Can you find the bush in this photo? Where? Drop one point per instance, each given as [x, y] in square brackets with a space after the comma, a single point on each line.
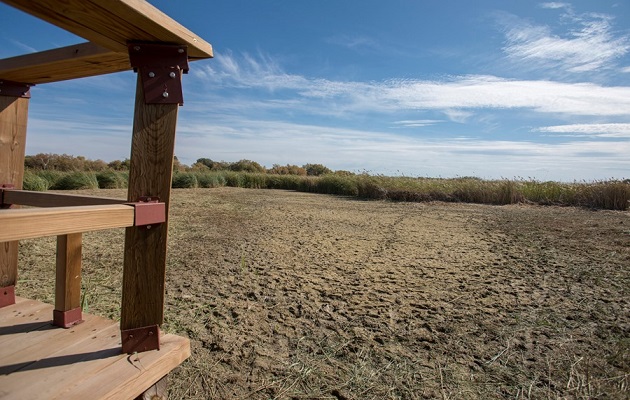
[76, 181]
[34, 182]
[184, 180]
[335, 184]
[209, 179]
[111, 180]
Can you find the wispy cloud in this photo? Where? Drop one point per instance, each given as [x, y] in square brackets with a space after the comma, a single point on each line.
[555, 5]
[618, 130]
[418, 123]
[456, 97]
[589, 44]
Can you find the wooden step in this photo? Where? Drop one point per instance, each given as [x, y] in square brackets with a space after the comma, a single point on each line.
[40, 361]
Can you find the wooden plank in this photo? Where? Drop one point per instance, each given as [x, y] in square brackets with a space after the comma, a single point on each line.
[70, 62]
[22, 312]
[54, 221]
[83, 362]
[47, 199]
[112, 23]
[41, 342]
[134, 373]
[152, 151]
[68, 276]
[13, 119]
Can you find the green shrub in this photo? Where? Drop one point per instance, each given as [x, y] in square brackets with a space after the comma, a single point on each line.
[184, 180]
[209, 179]
[34, 182]
[335, 184]
[76, 180]
[51, 177]
[111, 180]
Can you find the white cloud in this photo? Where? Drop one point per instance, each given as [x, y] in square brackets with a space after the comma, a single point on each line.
[456, 97]
[590, 46]
[418, 122]
[613, 130]
[555, 5]
[270, 142]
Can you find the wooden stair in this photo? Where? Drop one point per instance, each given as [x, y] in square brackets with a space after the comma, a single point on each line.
[39, 360]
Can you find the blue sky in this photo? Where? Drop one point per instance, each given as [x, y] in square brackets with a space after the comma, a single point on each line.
[422, 88]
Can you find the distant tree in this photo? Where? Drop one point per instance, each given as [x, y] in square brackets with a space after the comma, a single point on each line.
[342, 172]
[178, 166]
[118, 165]
[286, 170]
[316, 169]
[205, 161]
[247, 166]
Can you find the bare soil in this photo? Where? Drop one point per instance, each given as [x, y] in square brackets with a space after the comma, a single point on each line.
[291, 295]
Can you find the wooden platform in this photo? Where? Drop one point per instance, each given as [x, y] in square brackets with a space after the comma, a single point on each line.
[41, 361]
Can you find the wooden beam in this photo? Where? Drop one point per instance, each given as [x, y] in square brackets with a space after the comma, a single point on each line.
[39, 222]
[151, 168]
[68, 281]
[71, 62]
[46, 199]
[13, 118]
[112, 23]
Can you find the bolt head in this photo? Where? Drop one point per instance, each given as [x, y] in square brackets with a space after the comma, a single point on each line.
[165, 94]
[180, 51]
[136, 48]
[151, 74]
[172, 75]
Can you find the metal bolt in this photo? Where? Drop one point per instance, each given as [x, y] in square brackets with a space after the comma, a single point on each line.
[180, 51]
[151, 74]
[165, 94]
[148, 226]
[150, 333]
[172, 75]
[136, 48]
[130, 336]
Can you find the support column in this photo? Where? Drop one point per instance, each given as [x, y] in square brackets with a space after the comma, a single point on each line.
[150, 174]
[13, 118]
[68, 281]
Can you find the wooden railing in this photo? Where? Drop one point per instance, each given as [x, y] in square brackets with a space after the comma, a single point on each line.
[67, 217]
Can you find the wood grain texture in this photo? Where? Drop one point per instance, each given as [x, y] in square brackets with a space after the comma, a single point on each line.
[84, 362]
[33, 222]
[112, 23]
[68, 275]
[70, 62]
[13, 119]
[47, 199]
[150, 174]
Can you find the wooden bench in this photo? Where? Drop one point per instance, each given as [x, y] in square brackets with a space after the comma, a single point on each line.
[57, 351]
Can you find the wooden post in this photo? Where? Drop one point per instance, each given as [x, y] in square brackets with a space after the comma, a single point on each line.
[68, 284]
[13, 118]
[150, 174]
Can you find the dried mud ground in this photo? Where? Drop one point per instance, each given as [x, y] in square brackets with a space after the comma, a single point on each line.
[289, 295]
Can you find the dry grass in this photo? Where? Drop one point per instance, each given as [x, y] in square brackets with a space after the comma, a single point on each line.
[292, 295]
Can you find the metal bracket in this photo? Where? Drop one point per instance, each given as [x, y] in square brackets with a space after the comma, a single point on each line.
[160, 67]
[142, 339]
[7, 296]
[4, 186]
[148, 211]
[15, 89]
[67, 319]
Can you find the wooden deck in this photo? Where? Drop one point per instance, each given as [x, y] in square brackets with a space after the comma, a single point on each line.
[41, 361]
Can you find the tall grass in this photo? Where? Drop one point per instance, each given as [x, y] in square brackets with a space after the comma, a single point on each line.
[610, 195]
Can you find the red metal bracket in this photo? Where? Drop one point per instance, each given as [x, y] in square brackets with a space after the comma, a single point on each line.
[15, 89]
[140, 339]
[2, 187]
[148, 211]
[160, 67]
[7, 296]
[67, 319]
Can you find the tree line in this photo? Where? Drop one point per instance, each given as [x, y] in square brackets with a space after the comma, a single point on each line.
[69, 163]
